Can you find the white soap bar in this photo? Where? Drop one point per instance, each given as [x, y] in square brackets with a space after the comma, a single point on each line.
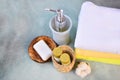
[43, 50]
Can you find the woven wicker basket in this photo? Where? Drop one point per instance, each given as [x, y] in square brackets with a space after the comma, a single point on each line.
[33, 54]
[65, 68]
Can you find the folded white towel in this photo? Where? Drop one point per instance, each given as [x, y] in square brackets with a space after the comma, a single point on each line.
[98, 28]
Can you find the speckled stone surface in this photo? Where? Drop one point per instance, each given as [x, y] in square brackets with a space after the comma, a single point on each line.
[23, 20]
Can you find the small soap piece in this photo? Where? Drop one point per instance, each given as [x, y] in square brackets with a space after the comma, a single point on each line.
[43, 50]
[57, 52]
[65, 59]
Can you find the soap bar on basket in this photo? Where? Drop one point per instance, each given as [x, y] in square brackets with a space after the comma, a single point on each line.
[43, 50]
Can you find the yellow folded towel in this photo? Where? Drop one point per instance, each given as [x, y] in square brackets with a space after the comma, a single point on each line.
[97, 56]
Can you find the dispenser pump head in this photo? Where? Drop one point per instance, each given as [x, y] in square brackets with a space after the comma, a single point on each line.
[60, 16]
[60, 20]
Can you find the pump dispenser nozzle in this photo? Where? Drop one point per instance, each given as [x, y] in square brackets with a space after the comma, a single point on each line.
[60, 20]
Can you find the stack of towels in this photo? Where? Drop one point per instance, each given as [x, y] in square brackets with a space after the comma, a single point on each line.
[98, 34]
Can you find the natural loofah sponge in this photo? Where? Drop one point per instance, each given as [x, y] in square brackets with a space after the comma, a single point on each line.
[83, 69]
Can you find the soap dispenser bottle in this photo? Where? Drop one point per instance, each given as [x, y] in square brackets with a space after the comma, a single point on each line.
[60, 21]
[60, 25]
